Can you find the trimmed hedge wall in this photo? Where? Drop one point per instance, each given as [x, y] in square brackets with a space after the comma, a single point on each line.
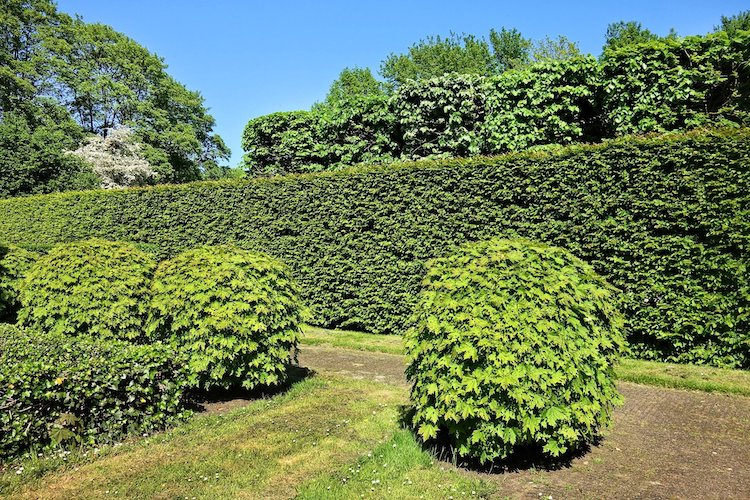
[666, 219]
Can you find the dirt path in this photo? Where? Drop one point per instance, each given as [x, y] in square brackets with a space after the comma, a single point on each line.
[664, 443]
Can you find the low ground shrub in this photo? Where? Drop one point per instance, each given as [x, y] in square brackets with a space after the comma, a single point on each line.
[95, 287]
[235, 314]
[513, 344]
[60, 390]
[15, 262]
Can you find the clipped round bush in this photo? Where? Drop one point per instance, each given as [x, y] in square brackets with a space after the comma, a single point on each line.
[235, 314]
[15, 262]
[93, 287]
[512, 344]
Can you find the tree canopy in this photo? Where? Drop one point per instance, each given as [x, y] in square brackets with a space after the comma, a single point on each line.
[62, 78]
[737, 22]
[471, 55]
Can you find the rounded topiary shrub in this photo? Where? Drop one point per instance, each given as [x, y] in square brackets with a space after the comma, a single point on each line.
[512, 344]
[15, 262]
[235, 314]
[93, 287]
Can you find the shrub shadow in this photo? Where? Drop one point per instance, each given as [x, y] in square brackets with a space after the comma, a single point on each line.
[221, 400]
[523, 458]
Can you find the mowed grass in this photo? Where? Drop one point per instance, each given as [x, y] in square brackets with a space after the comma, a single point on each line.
[692, 377]
[303, 441]
[391, 344]
[399, 468]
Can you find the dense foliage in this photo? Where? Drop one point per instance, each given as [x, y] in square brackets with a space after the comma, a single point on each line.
[666, 219]
[547, 103]
[57, 390]
[354, 124]
[464, 54]
[235, 314]
[513, 344]
[282, 143]
[441, 116]
[676, 83]
[15, 262]
[94, 287]
[33, 155]
[62, 78]
[660, 84]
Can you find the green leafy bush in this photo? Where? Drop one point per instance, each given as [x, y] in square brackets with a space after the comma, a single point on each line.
[655, 86]
[513, 343]
[15, 262]
[55, 389]
[94, 287]
[282, 143]
[666, 219]
[356, 129]
[674, 83]
[554, 102]
[236, 314]
[441, 116]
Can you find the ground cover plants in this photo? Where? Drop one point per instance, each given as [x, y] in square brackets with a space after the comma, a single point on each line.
[56, 390]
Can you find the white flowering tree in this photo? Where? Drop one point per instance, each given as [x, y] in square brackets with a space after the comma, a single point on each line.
[117, 159]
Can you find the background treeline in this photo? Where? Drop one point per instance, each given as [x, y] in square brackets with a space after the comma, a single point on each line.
[665, 218]
[64, 82]
[509, 94]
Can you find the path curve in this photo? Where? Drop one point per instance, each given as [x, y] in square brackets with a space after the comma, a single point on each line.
[664, 443]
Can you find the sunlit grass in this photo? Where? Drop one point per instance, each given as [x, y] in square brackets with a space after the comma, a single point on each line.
[264, 450]
[301, 440]
[399, 468]
[693, 377]
[391, 344]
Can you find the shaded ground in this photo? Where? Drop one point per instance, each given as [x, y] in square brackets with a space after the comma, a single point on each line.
[664, 443]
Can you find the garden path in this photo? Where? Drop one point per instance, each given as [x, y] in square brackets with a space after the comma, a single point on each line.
[664, 443]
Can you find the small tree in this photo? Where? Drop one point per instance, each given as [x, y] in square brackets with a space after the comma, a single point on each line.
[117, 159]
[627, 33]
[510, 49]
[554, 49]
[737, 22]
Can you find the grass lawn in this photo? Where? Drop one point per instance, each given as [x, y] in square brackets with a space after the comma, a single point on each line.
[330, 437]
[693, 377]
[325, 438]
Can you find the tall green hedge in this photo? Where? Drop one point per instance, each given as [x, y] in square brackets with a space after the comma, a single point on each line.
[666, 219]
[281, 143]
[654, 86]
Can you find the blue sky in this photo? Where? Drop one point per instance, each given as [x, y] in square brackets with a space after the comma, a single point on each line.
[250, 58]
